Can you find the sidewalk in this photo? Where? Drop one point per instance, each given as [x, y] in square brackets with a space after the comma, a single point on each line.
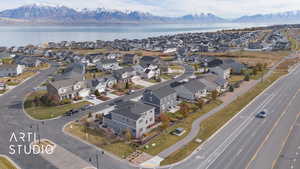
[227, 99]
[64, 159]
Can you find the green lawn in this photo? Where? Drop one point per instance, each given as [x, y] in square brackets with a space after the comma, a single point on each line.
[98, 138]
[49, 112]
[6, 164]
[165, 140]
[216, 121]
[2, 91]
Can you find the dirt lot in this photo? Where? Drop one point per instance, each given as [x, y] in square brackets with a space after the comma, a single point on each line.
[252, 58]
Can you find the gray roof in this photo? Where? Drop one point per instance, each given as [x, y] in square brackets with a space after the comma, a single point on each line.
[214, 78]
[163, 91]
[74, 71]
[118, 73]
[107, 61]
[64, 83]
[132, 110]
[8, 66]
[210, 86]
[193, 86]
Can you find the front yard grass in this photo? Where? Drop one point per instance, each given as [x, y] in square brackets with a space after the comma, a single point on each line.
[236, 78]
[176, 67]
[13, 81]
[48, 112]
[98, 138]
[165, 140]
[216, 121]
[92, 75]
[6, 164]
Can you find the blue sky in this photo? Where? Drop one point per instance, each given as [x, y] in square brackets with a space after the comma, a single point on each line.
[223, 8]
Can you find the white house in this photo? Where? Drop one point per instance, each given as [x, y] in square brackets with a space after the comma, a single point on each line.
[9, 70]
[222, 71]
[147, 72]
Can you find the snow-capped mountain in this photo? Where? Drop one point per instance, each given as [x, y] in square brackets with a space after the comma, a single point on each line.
[283, 17]
[203, 17]
[61, 14]
[38, 11]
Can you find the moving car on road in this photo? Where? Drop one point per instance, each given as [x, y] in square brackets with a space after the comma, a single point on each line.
[261, 114]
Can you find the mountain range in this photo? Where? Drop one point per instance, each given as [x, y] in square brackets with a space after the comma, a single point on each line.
[44, 14]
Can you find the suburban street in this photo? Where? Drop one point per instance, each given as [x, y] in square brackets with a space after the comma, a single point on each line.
[244, 142]
[248, 142]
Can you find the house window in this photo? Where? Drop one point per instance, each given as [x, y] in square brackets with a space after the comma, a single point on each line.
[141, 121]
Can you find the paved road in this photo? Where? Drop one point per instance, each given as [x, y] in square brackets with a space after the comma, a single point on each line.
[14, 120]
[237, 143]
[290, 156]
[232, 147]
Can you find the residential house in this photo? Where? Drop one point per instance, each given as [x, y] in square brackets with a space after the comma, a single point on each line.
[148, 72]
[210, 61]
[136, 117]
[10, 70]
[130, 59]
[221, 70]
[107, 65]
[210, 85]
[124, 75]
[67, 89]
[27, 61]
[191, 90]
[69, 84]
[101, 84]
[162, 99]
[219, 81]
[146, 61]
[236, 67]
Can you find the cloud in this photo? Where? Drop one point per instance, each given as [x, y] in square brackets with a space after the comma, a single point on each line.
[224, 8]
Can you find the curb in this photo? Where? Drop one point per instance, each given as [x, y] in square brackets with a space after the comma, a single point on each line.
[11, 161]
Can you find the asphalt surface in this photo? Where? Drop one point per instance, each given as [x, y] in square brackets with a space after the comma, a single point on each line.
[244, 142]
[249, 142]
[290, 155]
[14, 120]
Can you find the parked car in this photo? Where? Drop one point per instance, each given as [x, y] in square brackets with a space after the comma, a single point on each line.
[178, 132]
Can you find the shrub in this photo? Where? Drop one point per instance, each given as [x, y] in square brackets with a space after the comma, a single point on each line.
[66, 101]
[97, 93]
[231, 88]
[247, 77]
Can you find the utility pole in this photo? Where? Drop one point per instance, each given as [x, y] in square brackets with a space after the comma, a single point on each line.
[97, 160]
[38, 132]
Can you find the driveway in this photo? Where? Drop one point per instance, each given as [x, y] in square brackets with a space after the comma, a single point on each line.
[138, 81]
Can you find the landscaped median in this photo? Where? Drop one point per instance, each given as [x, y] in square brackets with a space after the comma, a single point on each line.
[210, 125]
[5, 163]
[37, 110]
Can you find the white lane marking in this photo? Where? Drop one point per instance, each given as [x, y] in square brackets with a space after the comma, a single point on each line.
[221, 148]
[213, 156]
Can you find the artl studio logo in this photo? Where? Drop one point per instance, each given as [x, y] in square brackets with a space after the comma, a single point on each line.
[27, 143]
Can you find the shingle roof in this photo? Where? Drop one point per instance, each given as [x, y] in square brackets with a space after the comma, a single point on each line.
[194, 86]
[132, 110]
[210, 86]
[163, 92]
[8, 66]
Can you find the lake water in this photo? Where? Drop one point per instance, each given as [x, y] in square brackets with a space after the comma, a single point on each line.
[24, 35]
